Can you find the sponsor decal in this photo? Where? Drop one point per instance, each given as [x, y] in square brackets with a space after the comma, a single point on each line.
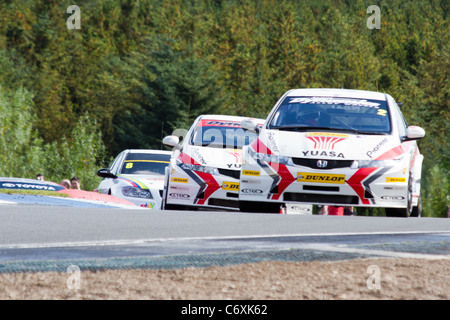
[179, 180]
[233, 186]
[219, 123]
[316, 153]
[251, 173]
[395, 179]
[392, 154]
[251, 181]
[294, 208]
[325, 140]
[179, 195]
[272, 143]
[183, 188]
[251, 191]
[376, 148]
[150, 205]
[237, 155]
[29, 186]
[327, 134]
[320, 178]
[198, 156]
[344, 101]
[234, 165]
[393, 198]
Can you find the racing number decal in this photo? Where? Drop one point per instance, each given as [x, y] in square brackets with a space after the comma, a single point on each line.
[129, 165]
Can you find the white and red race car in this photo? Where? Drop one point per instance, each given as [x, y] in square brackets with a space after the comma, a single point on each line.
[205, 166]
[136, 175]
[333, 147]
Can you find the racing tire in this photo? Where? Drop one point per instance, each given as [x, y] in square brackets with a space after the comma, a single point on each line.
[417, 210]
[264, 207]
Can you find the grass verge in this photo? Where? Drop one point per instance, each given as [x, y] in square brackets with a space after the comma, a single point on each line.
[34, 192]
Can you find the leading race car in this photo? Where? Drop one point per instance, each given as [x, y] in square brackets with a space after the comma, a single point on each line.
[136, 175]
[205, 167]
[333, 147]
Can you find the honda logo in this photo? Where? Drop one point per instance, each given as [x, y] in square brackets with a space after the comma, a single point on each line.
[322, 163]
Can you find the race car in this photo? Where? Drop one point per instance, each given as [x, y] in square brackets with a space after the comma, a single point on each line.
[333, 147]
[29, 184]
[205, 166]
[136, 175]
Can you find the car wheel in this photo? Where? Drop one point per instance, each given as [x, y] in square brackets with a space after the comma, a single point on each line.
[417, 210]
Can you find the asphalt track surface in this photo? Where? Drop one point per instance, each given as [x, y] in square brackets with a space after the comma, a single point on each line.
[52, 237]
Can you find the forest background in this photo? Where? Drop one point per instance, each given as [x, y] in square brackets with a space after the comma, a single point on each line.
[71, 99]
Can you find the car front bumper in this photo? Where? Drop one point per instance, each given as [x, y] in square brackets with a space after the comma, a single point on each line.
[364, 187]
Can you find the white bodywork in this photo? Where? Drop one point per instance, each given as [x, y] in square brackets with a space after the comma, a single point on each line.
[205, 167]
[345, 162]
[143, 187]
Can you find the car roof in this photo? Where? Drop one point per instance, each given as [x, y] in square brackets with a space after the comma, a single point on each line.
[226, 117]
[343, 93]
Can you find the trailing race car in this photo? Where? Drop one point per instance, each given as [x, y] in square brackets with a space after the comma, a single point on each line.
[29, 184]
[136, 175]
[205, 167]
[333, 147]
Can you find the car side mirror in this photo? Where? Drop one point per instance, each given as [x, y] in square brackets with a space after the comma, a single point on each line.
[250, 125]
[106, 173]
[414, 133]
[170, 141]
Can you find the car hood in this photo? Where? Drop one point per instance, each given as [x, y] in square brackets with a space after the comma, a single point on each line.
[143, 181]
[216, 157]
[327, 145]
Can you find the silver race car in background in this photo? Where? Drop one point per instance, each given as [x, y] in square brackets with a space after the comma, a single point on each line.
[136, 175]
[333, 147]
[205, 167]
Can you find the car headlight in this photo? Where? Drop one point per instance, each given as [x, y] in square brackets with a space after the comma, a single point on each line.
[136, 192]
[272, 158]
[198, 168]
[357, 164]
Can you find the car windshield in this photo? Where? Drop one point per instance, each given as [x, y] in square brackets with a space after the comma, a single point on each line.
[332, 113]
[145, 163]
[221, 134]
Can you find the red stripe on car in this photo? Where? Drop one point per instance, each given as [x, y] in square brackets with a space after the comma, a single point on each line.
[212, 185]
[355, 182]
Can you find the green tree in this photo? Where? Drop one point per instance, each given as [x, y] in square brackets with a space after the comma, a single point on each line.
[174, 87]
